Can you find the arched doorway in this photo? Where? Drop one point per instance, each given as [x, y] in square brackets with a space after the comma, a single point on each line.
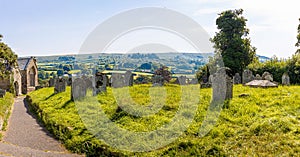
[16, 85]
[32, 73]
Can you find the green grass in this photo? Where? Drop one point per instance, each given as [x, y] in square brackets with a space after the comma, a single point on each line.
[265, 123]
[5, 110]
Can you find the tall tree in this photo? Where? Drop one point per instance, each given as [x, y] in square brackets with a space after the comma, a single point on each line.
[298, 39]
[232, 41]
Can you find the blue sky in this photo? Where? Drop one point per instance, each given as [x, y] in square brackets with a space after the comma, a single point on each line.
[36, 27]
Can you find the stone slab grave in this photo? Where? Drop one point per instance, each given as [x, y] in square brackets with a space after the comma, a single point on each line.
[237, 79]
[247, 76]
[285, 79]
[60, 85]
[100, 83]
[2, 93]
[157, 80]
[78, 88]
[267, 76]
[261, 84]
[181, 80]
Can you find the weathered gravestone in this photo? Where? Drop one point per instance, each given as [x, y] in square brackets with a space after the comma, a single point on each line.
[88, 81]
[2, 93]
[117, 80]
[52, 82]
[258, 77]
[78, 89]
[193, 81]
[101, 82]
[267, 76]
[247, 76]
[285, 79]
[237, 79]
[181, 80]
[222, 86]
[60, 85]
[128, 78]
[157, 80]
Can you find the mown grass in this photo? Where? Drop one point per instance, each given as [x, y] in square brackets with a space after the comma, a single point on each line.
[5, 110]
[263, 122]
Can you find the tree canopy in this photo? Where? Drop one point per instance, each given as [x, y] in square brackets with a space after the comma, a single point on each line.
[7, 58]
[232, 41]
[298, 39]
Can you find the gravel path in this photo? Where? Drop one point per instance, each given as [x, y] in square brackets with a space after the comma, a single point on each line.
[27, 137]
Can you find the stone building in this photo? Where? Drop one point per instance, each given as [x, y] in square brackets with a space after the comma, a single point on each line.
[29, 74]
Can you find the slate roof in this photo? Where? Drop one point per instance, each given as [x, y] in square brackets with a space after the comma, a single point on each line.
[23, 62]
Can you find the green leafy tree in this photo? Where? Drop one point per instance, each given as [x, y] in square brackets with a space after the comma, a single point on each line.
[298, 39]
[232, 41]
[8, 59]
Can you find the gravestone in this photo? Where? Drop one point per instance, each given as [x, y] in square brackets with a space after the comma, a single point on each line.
[267, 76]
[78, 89]
[128, 78]
[247, 76]
[193, 81]
[258, 77]
[285, 79]
[88, 82]
[181, 80]
[60, 85]
[117, 80]
[237, 79]
[101, 81]
[51, 82]
[222, 85]
[2, 93]
[157, 80]
[69, 82]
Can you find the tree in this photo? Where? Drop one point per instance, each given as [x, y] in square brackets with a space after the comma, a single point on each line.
[8, 59]
[164, 72]
[298, 39]
[231, 42]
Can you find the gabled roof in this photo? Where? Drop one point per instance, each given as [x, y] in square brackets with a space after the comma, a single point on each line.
[23, 62]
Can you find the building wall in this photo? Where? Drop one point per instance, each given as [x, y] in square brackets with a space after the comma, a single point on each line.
[17, 80]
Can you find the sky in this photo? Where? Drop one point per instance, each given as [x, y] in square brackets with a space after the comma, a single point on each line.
[56, 27]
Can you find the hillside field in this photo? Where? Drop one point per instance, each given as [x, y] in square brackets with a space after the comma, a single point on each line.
[262, 122]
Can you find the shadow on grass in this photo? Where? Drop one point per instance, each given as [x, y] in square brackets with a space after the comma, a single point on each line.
[50, 96]
[66, 103]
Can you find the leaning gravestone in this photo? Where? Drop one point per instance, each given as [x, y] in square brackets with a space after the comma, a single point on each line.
[237, 79]
[78, 89]
[181, 80]
[60, 85]
[267, 76]
[101, 82]
[2, 93]
[247, 76]
[157, 80]
[285, 79]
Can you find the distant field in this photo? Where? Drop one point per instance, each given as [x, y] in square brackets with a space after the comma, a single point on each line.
[265, 123]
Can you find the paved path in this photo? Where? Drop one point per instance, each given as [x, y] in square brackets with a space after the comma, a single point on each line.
[27, 137]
